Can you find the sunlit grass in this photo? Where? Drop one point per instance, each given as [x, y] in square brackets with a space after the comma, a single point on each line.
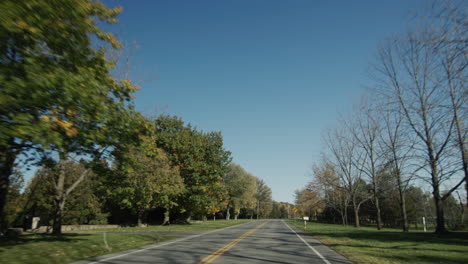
[46, 248]
[388, 246]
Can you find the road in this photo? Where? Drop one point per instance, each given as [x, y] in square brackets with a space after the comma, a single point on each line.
[268, 241]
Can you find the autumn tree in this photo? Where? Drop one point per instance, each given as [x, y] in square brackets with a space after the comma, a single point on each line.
[309, 201]
[57, 96]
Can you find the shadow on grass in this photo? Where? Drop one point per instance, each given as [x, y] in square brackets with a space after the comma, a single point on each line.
[454, 238]
[6, 243]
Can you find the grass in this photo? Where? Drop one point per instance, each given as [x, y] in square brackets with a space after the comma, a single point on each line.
[70, 247]
[45, 248]
[196, 226]
[391, 246]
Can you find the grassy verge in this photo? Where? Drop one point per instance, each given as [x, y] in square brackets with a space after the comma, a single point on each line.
[389, 246]
[196, 226]
[45, 248]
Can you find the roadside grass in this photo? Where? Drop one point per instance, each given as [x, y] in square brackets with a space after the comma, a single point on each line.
[390, 246]
[79, 245]
[195, 226]
[46, 248]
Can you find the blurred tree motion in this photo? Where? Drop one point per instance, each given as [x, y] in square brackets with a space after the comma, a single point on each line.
[57, 97]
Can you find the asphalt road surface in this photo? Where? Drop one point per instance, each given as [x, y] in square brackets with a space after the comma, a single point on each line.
[268, 241]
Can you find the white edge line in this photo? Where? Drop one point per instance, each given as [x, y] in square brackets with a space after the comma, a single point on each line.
[164, 244]
[305, 242]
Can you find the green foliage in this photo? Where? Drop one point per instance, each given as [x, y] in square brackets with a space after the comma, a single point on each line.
[280, 210]
[202, 162]
[265, 203]
[15, 201]
[144, 178]
[56, 89]
[83, 206]
[241, 188]
[56, 93]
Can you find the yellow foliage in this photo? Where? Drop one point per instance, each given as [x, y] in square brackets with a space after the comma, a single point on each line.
[44, 118]
[71, 113]
[127, 84]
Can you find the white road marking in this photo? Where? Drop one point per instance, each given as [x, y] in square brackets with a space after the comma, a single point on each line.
[165, 244]
[305, 242]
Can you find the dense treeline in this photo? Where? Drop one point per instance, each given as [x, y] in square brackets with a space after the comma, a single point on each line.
[401, 155]
[62, 110]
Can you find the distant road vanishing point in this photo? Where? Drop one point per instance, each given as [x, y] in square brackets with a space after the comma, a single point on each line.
[266, 241]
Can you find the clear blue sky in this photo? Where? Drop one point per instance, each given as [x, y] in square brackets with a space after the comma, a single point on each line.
[270, 75]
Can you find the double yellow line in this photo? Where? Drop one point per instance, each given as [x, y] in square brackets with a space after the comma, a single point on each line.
[222, 250]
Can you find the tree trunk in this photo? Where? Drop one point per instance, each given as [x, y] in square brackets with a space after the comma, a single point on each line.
[439, 206]
[440, 227]
[402, 201]
[166, 217]
[356, 214]
[59, 200]
[7, 160]
[377, 207]
[228, 214]
[343, 219]
[236, 216]
[141, 213]
[59, 203]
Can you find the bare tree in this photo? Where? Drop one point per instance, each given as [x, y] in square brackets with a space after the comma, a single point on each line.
[448, 36]
[408, 66]
[398, 148]
[366, 131]
[346, 158]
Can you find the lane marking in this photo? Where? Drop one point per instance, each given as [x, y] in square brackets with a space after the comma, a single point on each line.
[164, 244]
[210, 258]
[305, 242]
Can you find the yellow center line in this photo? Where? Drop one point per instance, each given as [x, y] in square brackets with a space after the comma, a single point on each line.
[231, 244]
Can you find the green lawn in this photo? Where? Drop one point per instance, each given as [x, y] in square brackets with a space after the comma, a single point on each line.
[367, 245]
[45, 248]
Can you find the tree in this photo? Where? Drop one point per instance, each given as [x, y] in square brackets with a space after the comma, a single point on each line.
[407, 67]
[202, 161]
[15, 202]
[263, 197]
[398, 147]
[327, 183]
[57, 96]
[309, 201]
[241, 190]
[144, 178]
[347, 160]
[447, 36]
[83, 206]
[366, 130]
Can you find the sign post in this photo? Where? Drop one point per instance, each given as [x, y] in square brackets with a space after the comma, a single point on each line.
[295, 211]
[306, 218]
